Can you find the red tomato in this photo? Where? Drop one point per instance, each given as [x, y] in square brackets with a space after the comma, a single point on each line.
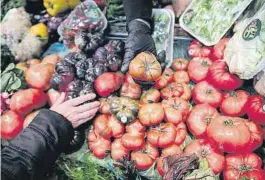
[24, 101]
[135, 127]
[118, 152]
[196, 49]
[52, 96]
[53, 59]
[256, 109]
[108, 126]
[151, 114]
[205, 151]
[220, 78]
[180, 64]
[150, 96]
[233, 134]
[181, 133]
[199, 118]
[181, 77]
[171, 150]
[163, 135]
[218, 50]
[145, 158]
[133, 141]
[187, 92]
[129, 79]
[105, 105]
[131, 90]
[11, 125]
[255, 135]
[172, 90]
[98, 145]
[164, 79]
[243, 166]
[29, 118]
[204, 92]
[235, 103]
[176, 110]
[198, 68]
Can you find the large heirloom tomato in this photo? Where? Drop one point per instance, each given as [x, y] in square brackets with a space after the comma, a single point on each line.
[52, 96]
[205, 151]
[131, 90]
[118, 152]
[30, 118]
[145, 158]
[176, 110]
[218, 49]
[172, 90]
[220, 78]
[243, 166]
[196, 49]
[164, 79]
[105, 105]
[204, 92]
[234, 103]
[187, 92]
[181, 77]
[234, 135]
[151, 114]
[162, 135]
[11, 125]
[124, 108]
[150, 96]
[198, 68]
[181, 133]
[133, 139]
[98, 145]
[171, 150]
[180, 64]
[39, 76]
[199, 118]
[256, 109]
[108, 126]
[24, 101]
[145, 67]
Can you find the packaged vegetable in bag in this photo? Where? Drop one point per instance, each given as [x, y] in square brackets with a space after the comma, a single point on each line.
[245, 52]
[259, 83]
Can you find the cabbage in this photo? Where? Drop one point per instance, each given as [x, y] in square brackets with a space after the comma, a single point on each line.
[245, 52]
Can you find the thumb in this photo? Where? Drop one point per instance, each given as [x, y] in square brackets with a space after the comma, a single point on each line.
[60, 99]
[128, 57]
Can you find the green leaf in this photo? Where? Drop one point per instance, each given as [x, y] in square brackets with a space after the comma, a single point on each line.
[15, 85]
[204, 164]
[202, 174]
[5, 78]
[10, 67]
[150, 173]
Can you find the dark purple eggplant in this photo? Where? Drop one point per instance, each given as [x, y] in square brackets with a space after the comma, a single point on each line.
[114, 62]
[64, 74]
[82, 66]
[87, 88]
[101, 55]
[74, 57]
[115, 46]
[74, 89]
[93, 73]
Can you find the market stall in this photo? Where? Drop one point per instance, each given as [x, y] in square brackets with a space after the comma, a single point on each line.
[200, 114]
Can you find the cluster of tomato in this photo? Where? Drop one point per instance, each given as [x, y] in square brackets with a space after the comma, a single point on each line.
[212, 112]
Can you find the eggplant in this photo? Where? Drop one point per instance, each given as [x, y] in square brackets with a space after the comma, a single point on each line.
[115, 46]
[93, 73]
[74, 57]
[74, 88]
[101, 55]
[114, 62]
[82, 66]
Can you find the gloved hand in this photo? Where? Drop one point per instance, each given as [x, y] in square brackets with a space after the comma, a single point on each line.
[139, 40]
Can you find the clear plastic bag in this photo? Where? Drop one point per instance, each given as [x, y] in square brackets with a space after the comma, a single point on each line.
[85, 16]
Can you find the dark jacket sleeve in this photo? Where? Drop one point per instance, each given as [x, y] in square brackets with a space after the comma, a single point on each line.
[138, 9]
[35, 149]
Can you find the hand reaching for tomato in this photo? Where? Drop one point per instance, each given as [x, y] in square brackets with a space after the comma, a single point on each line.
[74, 110]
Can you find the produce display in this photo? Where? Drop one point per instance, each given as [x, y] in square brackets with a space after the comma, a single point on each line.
[200, 119]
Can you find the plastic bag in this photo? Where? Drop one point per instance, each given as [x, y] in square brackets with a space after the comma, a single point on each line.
[245, 52]
[56, 48]
[259, 83]
[86, 16]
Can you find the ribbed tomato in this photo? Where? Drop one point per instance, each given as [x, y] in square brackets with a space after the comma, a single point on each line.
[218, 49]
[181, 133]
[98, 145]
[151, 114]
[187, 92]
[256, 109]
[108, 126]
[164, 79]
[199, 118]
[162, 135]
[171, 150]
[135, 127]
[131, 90]
[205, 151]
[181, 77]
[150, 96]
[234, 134]
[243, 166]
[204, 92]
[133, 141]
[118, 152]
[145, 158]
[221, 78]
[198, 68]
[196, 49]
[180, 64]
[172, 90]
[234, 103]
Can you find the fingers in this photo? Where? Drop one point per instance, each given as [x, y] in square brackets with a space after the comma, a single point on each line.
[128, 57]
[81, 99]
[88, 106]
[60, 99]
[84, 117]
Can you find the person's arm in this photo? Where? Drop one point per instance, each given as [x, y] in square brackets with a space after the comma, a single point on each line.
[35, 149]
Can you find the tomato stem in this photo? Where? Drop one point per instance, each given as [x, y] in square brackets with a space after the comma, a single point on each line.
[245, 168]
[233, 94]
[228, 122]
[208, 120]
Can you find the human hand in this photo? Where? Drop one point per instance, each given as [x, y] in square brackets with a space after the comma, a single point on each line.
[74, 110]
